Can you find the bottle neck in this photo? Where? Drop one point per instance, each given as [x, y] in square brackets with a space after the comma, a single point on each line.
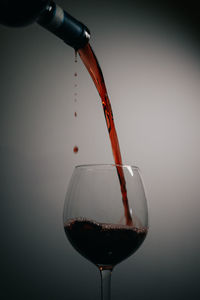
[47, 14]
[63, 25]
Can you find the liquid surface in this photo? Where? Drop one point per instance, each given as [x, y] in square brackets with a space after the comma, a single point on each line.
[104, 244]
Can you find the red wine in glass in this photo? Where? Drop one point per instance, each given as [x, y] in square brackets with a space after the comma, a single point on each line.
[104, 244]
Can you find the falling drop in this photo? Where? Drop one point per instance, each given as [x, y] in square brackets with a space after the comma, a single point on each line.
[75, 56]
[75, 149]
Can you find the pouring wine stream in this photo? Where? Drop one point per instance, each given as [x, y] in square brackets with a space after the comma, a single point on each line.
[90, 61]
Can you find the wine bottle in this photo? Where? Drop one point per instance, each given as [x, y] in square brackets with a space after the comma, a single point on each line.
[47, 14]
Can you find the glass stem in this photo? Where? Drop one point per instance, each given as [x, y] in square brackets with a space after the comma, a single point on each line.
[105, 283]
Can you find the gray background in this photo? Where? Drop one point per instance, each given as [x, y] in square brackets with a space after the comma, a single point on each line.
[151, 67]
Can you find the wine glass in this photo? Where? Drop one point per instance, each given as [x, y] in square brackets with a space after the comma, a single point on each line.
[95, 215]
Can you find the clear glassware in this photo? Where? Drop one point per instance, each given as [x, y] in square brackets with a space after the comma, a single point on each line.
[94, 216]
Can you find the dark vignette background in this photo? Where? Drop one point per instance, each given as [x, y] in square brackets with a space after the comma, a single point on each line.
[149, 53]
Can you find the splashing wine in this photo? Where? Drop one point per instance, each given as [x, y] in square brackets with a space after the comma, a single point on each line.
[90, 61]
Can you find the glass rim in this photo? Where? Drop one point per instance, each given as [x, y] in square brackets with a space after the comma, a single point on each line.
[85, 166]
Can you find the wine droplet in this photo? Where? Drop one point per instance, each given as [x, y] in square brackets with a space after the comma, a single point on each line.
[75, 149]
[75, 56]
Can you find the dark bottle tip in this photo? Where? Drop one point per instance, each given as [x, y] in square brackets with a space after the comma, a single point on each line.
[63, 25]
[82, 40]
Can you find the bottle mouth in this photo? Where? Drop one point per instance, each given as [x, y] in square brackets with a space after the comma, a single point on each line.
[87, 35]
[82, 40]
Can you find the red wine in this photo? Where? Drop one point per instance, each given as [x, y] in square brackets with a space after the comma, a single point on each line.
[104, 244]
[75, 149]
[89, 59]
